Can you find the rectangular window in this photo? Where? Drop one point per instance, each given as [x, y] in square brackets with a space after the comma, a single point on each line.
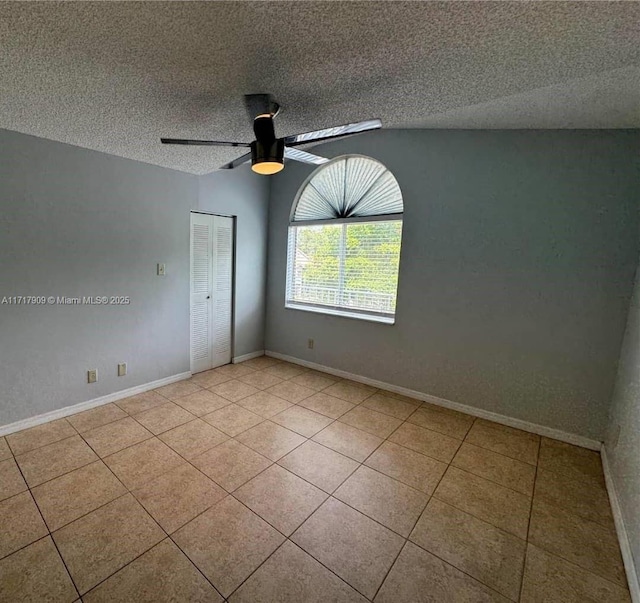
[348, 268]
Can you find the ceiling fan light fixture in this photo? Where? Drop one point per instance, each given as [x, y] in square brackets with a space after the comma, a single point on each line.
[267, 168]
[267, 159]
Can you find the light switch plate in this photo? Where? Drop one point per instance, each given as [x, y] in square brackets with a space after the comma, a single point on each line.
[162, 269]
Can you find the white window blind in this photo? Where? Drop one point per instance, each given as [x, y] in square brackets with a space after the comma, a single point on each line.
[348, 266]
[344, 241]
[351, 186]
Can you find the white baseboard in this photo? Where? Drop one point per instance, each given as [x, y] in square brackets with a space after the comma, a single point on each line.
[238, 359]
[543, 430]
[621, 530]
[76, 408]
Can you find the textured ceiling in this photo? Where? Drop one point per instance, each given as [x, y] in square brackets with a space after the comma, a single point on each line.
[115, 76]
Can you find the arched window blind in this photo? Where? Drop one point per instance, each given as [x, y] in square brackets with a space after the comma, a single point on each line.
[351, 186]
[345, 235]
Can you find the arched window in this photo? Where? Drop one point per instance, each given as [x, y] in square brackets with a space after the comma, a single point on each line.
[345, 233]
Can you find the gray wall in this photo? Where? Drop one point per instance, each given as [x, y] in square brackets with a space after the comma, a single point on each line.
[75, 222]
[244, 194]
[518, 255]
[623, 437]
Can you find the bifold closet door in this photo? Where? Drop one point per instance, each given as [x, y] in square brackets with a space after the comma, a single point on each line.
[211, 291]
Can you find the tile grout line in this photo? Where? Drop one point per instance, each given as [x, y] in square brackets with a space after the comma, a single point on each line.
[472, 514]
[43, 445]
[127, 492]
[121, 449]
[624, 587]
[395, 559]
[128, 562]
[328, 569]
[288, 539]
[384, 439]
[259, 566]
[66, 472]
[170, 428]
[462, 571]
[463, 470]
[446, 502]
[323, 564]
[526, 550]
[15, 456]
[408, 539]
[573, 513]
[170, 537]
[578, 517]
[571, 562]
[492, 480]
[167, 535]
[584, 479]
[49, 534]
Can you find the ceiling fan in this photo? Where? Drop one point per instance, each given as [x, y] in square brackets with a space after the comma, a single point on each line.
[268, 152]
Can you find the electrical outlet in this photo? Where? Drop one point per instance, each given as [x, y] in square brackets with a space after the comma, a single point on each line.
[92, 376]
[162, 269]
[122, 369]
[310, 344]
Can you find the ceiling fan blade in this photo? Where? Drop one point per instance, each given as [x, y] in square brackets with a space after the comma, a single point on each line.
[236, 162]
[335, 132]
[203, 143]
[304, 157]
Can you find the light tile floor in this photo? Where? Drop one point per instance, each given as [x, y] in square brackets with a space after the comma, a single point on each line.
[266, 481]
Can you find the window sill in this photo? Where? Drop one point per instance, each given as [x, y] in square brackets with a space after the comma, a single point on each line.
[388, 320]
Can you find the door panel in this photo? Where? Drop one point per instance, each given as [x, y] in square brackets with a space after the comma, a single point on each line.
[211, 291]
[223, 289]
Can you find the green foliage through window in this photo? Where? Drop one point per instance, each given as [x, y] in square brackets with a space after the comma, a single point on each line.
[352, 265]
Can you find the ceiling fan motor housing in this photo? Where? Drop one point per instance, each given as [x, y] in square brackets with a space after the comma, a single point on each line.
[266, 147]
[266, 153]
[264, 130]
